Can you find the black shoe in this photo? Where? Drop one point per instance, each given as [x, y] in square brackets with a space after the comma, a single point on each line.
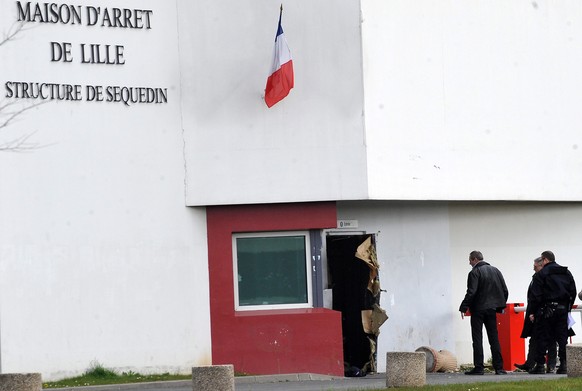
[523, 367]
[562, 370]
[550, 369]
[500, 372]
[475, 371]
[537, 370]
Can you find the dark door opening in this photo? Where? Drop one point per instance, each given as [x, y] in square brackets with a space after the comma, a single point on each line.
[349, 279]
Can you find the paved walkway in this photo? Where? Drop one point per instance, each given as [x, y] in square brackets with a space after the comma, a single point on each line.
[313, 382]
[378, 381]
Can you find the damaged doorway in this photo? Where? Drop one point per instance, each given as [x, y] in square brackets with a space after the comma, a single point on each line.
[353, 278]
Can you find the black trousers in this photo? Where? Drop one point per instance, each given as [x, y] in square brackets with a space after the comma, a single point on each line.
[531, 353]
[489, 319]
[548, 332]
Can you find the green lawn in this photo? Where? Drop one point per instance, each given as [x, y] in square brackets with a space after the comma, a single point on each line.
[563, 384]
[98, 375]
[87, 380]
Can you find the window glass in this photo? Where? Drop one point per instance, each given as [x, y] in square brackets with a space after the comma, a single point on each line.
[272, 270]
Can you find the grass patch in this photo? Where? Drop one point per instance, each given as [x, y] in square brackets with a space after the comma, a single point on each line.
[97, 374]
[563, 384]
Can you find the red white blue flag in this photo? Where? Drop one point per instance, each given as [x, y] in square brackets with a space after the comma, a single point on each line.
[280, 80]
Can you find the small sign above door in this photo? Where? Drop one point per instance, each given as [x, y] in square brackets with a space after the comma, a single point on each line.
[347, 223]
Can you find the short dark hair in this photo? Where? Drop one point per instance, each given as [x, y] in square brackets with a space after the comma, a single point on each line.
[549, 256]
[476, 255]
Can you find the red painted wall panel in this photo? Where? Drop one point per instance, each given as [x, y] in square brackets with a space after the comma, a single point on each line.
[272, 341]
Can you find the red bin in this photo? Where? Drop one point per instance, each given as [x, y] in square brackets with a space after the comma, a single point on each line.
[509, 326]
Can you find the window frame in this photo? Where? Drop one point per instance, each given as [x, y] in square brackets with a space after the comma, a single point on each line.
[308, 270]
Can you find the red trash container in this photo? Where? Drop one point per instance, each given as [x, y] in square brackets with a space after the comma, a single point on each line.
[509, 326]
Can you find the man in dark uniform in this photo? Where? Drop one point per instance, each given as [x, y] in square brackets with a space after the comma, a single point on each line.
[527, 331]
[553, 293]
[486, 295]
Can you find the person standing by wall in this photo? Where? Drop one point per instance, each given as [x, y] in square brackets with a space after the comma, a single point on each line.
[553, 294]
[527, 331]
[486, 295]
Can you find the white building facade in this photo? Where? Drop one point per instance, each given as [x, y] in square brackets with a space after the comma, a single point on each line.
[438, 128]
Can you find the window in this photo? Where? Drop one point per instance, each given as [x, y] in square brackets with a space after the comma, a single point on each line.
[272, 270]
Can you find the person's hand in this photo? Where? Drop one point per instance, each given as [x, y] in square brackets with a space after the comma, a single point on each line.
[531, 318]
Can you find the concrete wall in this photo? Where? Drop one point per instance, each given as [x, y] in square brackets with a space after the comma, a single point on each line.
[99, 257]
[101, 260]
[393, 100]
[511, 235]
[308, 147]
[423, 252]
[412, 242]
[473, 100]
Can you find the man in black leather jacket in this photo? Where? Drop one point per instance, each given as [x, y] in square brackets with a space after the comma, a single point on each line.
[486, 295]
[553, 292]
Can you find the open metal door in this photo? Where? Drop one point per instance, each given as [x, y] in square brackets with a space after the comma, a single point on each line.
[355, 296]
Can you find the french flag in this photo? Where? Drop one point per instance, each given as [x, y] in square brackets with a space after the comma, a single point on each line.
[280, 81]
